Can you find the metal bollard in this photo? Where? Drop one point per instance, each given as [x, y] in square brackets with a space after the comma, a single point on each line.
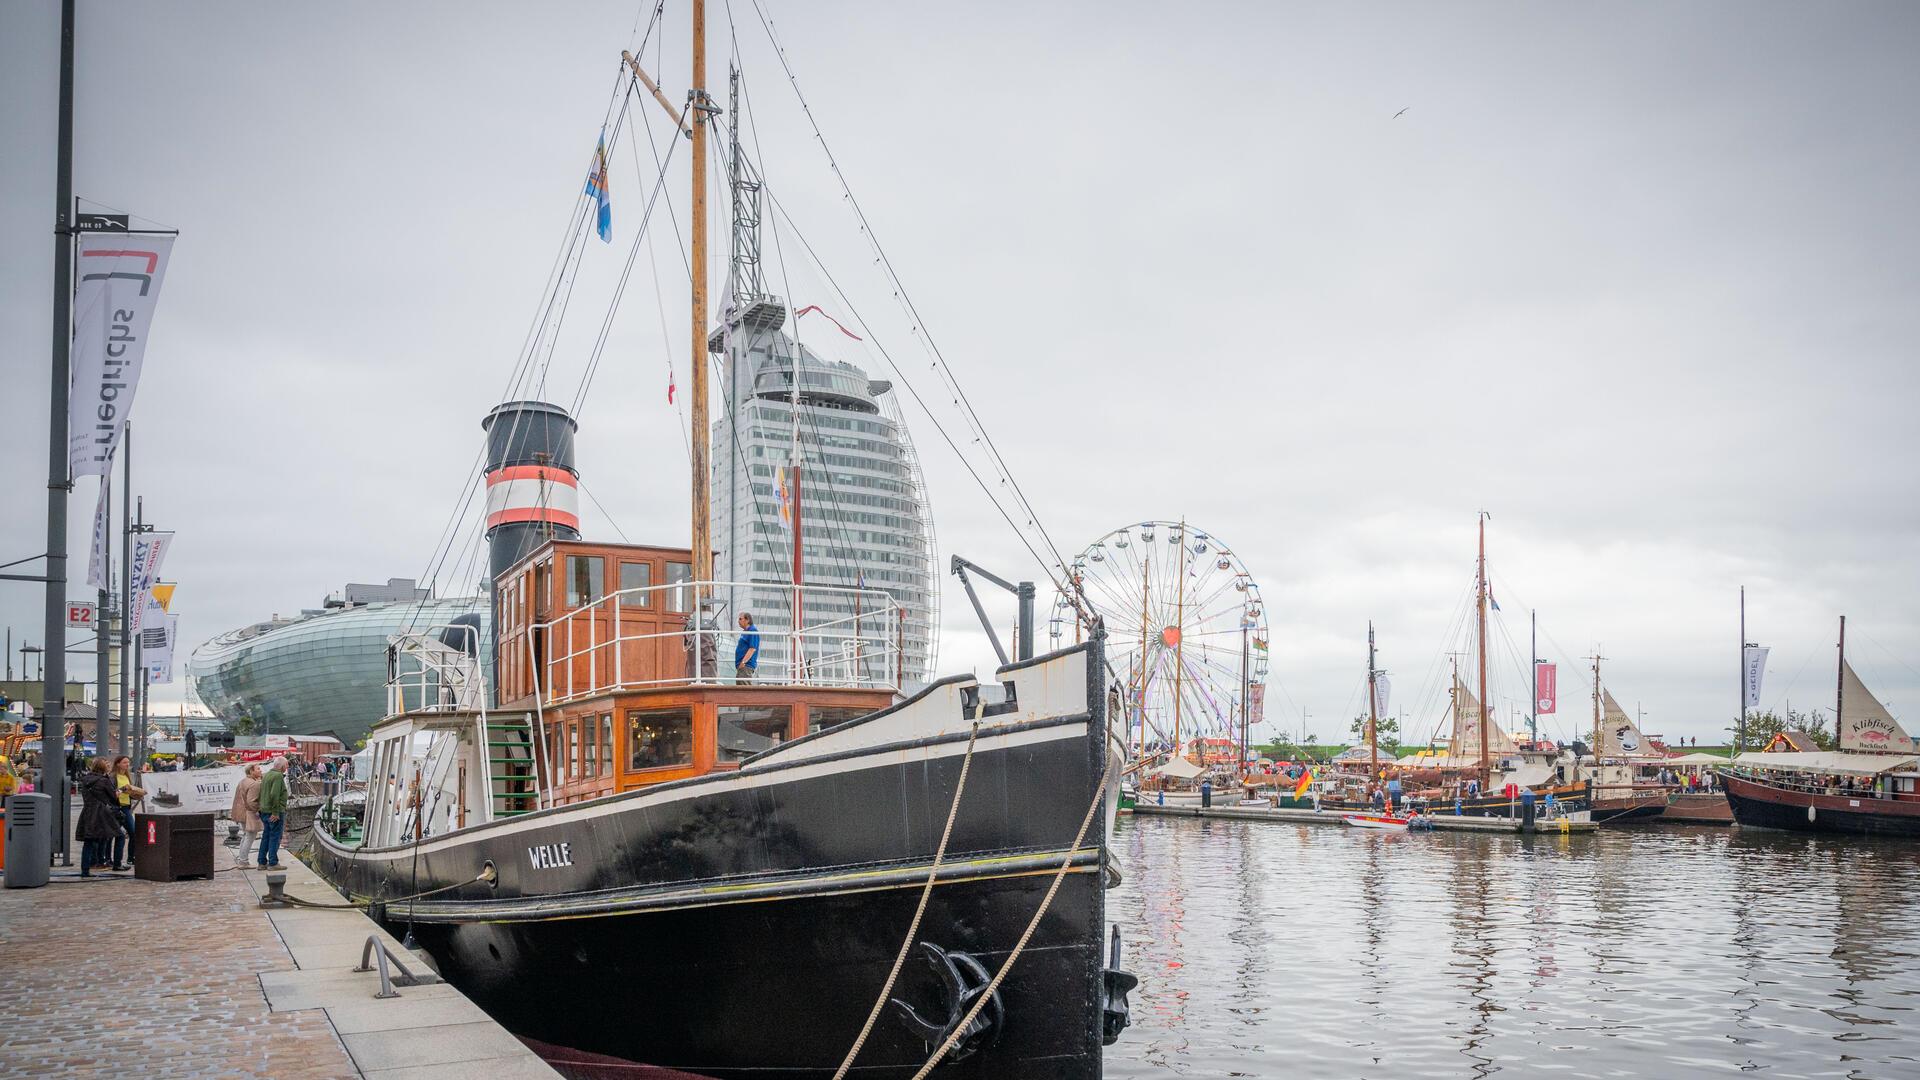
[276, 891]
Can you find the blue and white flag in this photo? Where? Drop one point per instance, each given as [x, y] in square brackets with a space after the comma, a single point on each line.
[597, 187]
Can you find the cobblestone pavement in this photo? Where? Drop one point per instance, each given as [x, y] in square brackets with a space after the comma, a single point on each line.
[154, 980]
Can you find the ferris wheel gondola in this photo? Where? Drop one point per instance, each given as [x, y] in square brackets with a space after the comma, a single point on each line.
[1186, 628]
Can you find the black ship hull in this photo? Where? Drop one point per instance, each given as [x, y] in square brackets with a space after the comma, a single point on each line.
[1767, 806]
[741, 924]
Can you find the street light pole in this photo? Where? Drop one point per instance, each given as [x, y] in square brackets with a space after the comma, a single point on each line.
[53, 699]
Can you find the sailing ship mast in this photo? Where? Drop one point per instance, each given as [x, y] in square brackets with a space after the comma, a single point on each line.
[701, 111]
[1596, 711]
[1179, 636]
[1373, 709]
[1486, 770]
[1840, 687]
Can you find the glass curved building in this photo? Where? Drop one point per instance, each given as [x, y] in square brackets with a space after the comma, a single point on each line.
[866, 522]
[322, 673]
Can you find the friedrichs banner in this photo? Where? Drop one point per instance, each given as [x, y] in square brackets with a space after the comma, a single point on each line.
[1546, 689]
[113, 300]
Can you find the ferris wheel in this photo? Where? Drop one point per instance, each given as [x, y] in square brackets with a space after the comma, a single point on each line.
[1186, 628]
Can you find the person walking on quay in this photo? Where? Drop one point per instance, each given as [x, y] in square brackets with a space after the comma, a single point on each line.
[246, 811]
[273, 813]
[125, 794]
[746, 652]
[99, 822]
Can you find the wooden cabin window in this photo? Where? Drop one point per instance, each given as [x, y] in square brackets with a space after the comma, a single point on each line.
[573, 755]
[825, 716]
[542, 586]
[744, 730]
[658, 738]
[606, 744]
[586, 579]
[636, 575]
[679, 573]
[590, 762]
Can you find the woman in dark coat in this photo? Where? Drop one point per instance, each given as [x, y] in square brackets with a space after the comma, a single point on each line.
[99, 816]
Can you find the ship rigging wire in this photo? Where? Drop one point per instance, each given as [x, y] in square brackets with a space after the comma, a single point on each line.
[1057, 569]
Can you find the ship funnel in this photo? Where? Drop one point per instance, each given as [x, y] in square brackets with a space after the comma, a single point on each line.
[533, 490]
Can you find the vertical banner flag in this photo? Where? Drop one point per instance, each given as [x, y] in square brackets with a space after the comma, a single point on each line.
[1546, 688]
[1382, 689]
[149, 551]
[1257, 703]
[785, 494]
[119, 283]
[97, 559]
[597, 187]
[1756, 657]
[162, 593]
[156, 640]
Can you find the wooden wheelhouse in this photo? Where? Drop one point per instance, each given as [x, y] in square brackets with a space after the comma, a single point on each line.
[627, 688]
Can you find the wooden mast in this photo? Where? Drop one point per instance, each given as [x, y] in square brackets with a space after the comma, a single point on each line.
[1179, 637]
[1486, 769]
[700, 113]
[1373, 711]
[1596, 710]
[1840, 686]
[1146, 576]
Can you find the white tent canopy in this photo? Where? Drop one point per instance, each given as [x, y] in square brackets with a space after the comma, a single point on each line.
[1177, 767]
[1695, 759]
[1830, 761]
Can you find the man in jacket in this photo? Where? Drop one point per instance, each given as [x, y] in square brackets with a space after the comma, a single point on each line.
[273, 813]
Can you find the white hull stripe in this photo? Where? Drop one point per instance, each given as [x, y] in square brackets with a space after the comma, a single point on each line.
[743, 780]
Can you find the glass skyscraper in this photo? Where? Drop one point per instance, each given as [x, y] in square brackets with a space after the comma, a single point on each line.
[864, 513]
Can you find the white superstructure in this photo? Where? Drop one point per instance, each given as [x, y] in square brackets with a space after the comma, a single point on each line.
[864, 509]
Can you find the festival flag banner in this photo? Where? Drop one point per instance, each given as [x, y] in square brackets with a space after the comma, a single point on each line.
[149, 551]
[162, 593]
[1756, 658]
[1546, 689]
[98, 562]
[1382, 690]
[156, 639]
[113, 301]
[1306, 783]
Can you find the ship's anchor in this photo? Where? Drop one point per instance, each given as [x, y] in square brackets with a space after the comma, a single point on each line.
[963, 980]
[1114, 985]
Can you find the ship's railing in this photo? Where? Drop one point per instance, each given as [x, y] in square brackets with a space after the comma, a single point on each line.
[443, 677]
[641, 638]
[1822, 783]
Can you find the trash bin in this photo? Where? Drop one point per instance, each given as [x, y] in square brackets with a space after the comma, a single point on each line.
[29, 840]
[168, 847]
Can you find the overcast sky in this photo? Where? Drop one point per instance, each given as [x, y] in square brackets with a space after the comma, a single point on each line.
[1639, 280]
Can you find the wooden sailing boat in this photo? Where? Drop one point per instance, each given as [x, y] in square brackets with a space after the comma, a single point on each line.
[1870, 785]
[1617, 797]
[618, 849]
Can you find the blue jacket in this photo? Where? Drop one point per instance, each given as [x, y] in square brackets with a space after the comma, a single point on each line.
[749, 639]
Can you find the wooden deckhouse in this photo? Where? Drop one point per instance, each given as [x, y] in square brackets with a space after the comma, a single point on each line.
[597, 642]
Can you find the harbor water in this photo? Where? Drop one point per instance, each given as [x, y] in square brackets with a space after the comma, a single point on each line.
[1315, 951]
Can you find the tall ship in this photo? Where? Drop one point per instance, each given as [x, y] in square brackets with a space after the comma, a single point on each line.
[1868, 786]
[628, 833]
[1484, 771]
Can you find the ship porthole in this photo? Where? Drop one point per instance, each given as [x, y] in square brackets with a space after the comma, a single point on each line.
[493, 949]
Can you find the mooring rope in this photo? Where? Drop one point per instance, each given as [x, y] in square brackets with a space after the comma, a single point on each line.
[1060, 875]
[926, 893]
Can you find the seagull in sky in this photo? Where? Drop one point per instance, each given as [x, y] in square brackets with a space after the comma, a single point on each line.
[1401, 113]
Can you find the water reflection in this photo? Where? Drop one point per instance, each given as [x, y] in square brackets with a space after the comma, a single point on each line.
[1309, 951]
